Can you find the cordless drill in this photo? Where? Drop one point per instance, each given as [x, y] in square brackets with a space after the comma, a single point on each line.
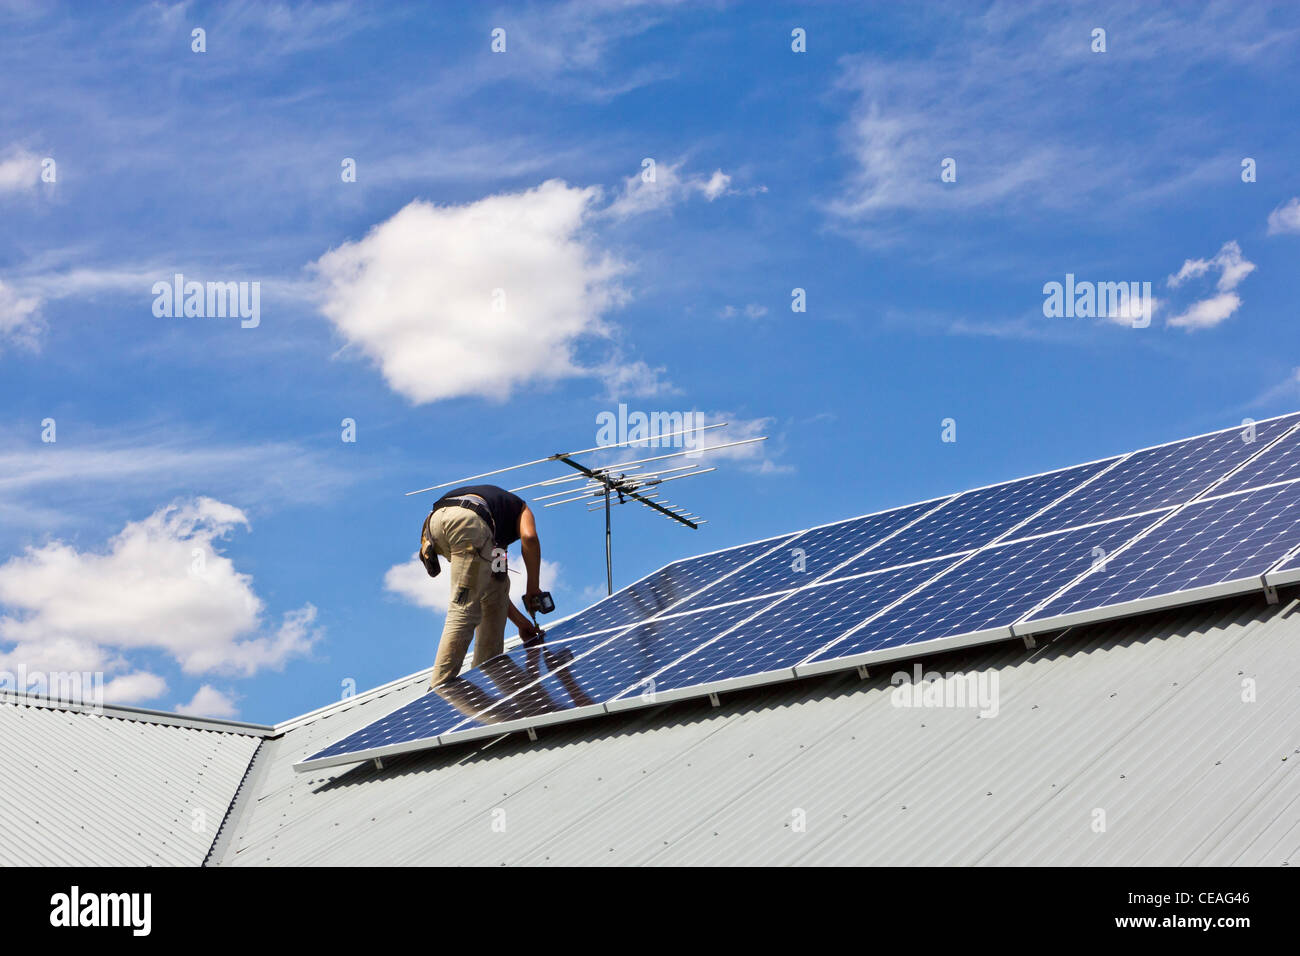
[540, 603]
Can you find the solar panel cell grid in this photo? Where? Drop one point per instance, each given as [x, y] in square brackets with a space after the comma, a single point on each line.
[792, 628]
[973, 519]
[991, 590]
[418, 720]
[1279, 463]
[661, 590]
[1210, 542]
[1160, 477]
[807, 556]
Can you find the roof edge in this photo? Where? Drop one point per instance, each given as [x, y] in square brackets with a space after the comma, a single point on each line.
[139, 714]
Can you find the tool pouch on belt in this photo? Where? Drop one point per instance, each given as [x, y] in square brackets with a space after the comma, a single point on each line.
[428, 556]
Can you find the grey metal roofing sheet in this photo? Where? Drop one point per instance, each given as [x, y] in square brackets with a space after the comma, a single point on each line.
[82, 789]
[1142, 719]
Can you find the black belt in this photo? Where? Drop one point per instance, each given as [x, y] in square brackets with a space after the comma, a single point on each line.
[479, 509]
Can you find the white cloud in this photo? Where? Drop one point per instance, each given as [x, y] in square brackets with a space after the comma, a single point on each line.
[20, 170]
[412, 583]
[417, 294]
[1285, 218]
[756, 456]
[209, 702]
[716, 186]
[1209, 312]
[668, 188]
[161, 584]
[20, 317]
[134, 687]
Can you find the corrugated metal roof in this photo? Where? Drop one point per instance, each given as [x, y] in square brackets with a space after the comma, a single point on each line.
[1142, 721]
[119, 789]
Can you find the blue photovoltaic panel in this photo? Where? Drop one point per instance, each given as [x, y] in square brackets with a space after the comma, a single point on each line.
[819, 551]
[1209, 542]
[1159, 477]
[793, 627]
[1292, 563]
[628, 659]
[972, 520]
[1279, 463]
[500, 690]
[661, 590]
[422, 719]
[569, 628]
[991, 590]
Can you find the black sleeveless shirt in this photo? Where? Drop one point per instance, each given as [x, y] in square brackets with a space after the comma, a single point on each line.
[505, 507]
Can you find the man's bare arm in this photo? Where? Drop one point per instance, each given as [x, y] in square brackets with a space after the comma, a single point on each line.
[531, 548]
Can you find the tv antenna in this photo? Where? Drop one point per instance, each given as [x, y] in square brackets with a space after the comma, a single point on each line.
[610, 485]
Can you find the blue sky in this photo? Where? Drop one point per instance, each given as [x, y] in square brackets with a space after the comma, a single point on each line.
[199, 531]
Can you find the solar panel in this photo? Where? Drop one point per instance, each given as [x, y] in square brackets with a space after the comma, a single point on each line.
[780, 635]
[809, 555]
[1011, 559]
[1160, 477]
[1210, 548]
[982, 597]
[1277, 463]
[1287, 571]
[661, 590]
[415, 723]
[974, 518]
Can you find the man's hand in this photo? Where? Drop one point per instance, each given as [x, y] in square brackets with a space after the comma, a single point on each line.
[530, 633]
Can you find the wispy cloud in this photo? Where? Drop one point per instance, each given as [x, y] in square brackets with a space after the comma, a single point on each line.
[1287, 390]
[663, 186]
[20, 171]
[48, 486]
[20, 318]
[1285, 218]
[635, 379]
[752, 310]
[1209, 312]
[975, 96]
[756, 457]
[568, 46]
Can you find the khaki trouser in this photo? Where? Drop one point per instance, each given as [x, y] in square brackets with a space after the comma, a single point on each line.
[479, 602]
